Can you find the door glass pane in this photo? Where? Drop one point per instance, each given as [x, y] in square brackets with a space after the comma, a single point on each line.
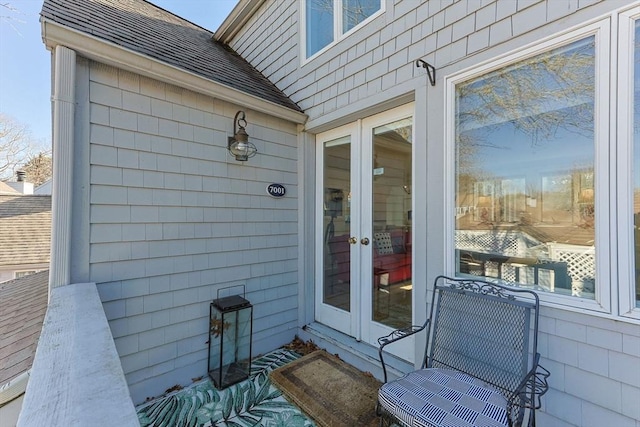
[319, 22]
[636, 157]
[337, 218]
[356, 11]
[525, 153]
[392, 285]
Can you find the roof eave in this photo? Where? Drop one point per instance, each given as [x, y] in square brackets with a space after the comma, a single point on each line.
[239, 16]
[55, 34]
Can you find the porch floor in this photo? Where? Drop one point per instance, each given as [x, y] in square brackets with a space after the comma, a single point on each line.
[249, 403]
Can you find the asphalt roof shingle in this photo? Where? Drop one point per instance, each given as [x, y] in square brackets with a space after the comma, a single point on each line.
[24, 304]
[25, 229]
[145, 28]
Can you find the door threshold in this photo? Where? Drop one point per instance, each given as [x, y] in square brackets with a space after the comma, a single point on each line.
[359, 354]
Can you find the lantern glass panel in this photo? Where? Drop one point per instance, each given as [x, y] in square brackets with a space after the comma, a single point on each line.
[230, 340]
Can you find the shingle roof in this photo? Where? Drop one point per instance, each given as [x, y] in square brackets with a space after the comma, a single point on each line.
[152, 31]
[25, 229]
[24, 304]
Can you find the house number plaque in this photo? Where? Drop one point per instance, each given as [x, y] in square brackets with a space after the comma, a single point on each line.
[276, 190]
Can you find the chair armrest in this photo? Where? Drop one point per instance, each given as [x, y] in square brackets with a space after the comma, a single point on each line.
[394, 336]
[532, 387]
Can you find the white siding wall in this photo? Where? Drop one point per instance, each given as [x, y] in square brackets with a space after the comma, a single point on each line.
[594, 361]
[173, 219]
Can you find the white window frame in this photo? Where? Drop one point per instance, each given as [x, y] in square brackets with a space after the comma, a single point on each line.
[337, 28]
[600, 29]
[625, 227]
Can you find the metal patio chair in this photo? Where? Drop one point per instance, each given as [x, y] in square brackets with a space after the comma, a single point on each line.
[481, 362]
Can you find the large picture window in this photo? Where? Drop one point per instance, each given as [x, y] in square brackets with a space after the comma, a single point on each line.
[525, 172]
[325, 24]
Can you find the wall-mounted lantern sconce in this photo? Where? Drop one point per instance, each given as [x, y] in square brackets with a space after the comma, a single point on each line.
[239, 145]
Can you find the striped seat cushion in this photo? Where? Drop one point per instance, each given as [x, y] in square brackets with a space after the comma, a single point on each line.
[443, 397]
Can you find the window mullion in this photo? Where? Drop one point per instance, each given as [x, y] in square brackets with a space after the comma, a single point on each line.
[626, 245]
[337, 19]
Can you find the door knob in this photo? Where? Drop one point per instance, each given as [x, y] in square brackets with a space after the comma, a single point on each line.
[353, 240]
[365, 241]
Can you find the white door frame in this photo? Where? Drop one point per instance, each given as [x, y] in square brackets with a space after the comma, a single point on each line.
[357, 322]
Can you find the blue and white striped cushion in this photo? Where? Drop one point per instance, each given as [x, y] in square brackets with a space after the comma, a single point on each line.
[443, 398]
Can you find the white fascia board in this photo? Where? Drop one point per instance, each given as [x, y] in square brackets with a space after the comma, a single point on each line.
[25, 266]
[108, 53]
[239, 16]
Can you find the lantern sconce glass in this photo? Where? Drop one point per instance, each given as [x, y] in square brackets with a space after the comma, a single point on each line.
[238, 144]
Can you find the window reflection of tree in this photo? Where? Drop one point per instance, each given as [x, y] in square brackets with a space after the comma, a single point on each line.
[536, 99]
[319, 23]
[550, 91]
[356, 11]
[353, 11]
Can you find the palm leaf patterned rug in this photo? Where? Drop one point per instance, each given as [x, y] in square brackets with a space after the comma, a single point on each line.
[253, 402]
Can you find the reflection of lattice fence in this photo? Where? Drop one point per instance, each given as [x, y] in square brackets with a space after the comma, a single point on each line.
[580, 260]
[581, 264]
[509, 273]
[506, 242]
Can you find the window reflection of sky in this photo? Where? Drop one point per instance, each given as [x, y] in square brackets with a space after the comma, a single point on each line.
[319, 21]
[513, 152]
[356, 11]
[534, 117]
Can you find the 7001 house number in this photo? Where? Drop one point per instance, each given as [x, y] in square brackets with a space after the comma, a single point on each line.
[276, 190]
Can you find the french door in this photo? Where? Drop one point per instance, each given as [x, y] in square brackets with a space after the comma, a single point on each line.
[364, 284]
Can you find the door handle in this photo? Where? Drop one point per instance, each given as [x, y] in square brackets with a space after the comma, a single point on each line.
[353, 240]
[365, 241]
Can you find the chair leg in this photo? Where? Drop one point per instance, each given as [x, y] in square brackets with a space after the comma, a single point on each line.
[532, 418]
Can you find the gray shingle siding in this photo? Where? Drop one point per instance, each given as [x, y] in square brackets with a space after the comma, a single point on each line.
[173, 219]
[380, 55]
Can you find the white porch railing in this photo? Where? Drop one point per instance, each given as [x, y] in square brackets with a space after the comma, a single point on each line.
[76, 378]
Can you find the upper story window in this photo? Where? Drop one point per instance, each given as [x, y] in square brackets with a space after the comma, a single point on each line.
[328, 20]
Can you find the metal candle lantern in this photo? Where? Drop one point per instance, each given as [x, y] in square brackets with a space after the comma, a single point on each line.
[230, 330]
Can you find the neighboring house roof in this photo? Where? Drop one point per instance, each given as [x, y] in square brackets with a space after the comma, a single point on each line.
[24, 304]
[144, 28]
[44, 188]
[6, 189]
[25, 229]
